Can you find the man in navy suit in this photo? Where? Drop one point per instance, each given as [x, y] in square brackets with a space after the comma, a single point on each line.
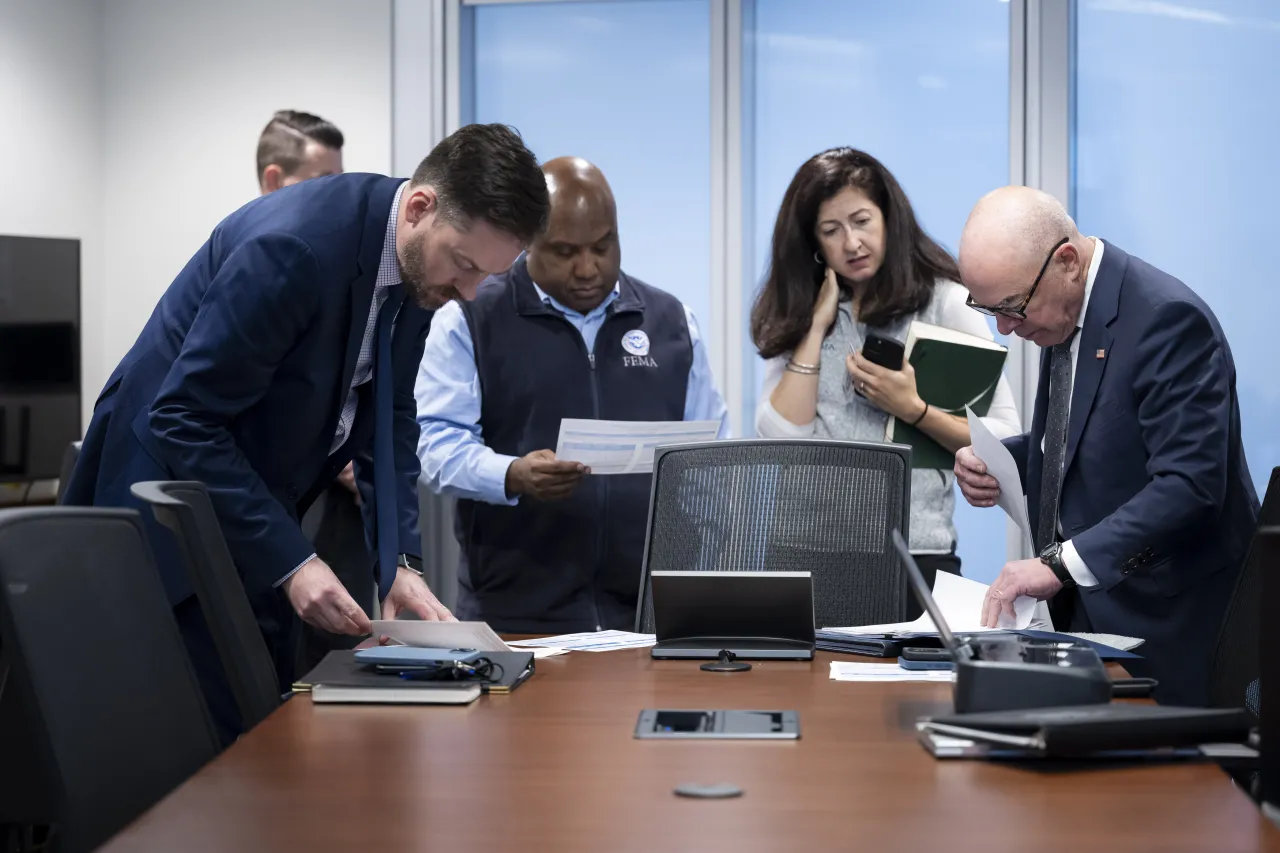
[288, 346]
[1140, 499]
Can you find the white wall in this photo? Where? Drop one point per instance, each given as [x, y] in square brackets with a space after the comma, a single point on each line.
[51, 143]
[189, 85]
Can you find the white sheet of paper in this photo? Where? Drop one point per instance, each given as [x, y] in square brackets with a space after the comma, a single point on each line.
[1000, 465]
[625, 447]
[859, 671]
[441, 635]
[960, 600]
[590, 641]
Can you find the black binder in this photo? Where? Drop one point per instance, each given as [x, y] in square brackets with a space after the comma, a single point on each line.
[340, 669]
[1096, 730]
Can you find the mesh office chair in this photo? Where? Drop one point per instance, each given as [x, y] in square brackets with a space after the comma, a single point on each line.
[825, 507]
[185, 508]
[1233, 681]
[98, 662]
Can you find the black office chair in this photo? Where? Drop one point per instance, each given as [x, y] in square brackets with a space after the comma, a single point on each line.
[1233, 681]
[98, 662]
[185, 508]
[825, 507]
[69, 458]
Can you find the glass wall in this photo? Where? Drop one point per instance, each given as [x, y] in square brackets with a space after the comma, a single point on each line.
[1176, 162]
[627, 86]
[922, 86]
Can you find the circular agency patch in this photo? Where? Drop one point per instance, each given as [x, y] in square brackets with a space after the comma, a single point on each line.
[636, 342]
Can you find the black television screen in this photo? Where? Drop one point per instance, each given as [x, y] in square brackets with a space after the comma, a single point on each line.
[39, 355]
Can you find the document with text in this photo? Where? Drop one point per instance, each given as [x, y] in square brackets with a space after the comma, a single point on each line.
[625, 447]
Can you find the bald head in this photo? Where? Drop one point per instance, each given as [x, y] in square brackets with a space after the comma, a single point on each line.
[1014, 225]
[574, 182]
[1009, 237]
[577, 259]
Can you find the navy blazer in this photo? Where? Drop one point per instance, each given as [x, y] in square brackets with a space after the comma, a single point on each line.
[1156, 494]
[239, 376]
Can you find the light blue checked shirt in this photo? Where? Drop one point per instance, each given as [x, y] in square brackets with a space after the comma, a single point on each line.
[455, 459]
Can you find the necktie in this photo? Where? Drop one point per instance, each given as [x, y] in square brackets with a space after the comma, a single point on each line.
[384, 463]
[1055, 441]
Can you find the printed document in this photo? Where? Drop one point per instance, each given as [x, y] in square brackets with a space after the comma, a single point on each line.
[625, 447]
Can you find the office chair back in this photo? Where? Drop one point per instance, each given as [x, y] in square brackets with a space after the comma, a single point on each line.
[825, 507]
[100, 665]
[185, 508]
[1236, 665]
[69, 458]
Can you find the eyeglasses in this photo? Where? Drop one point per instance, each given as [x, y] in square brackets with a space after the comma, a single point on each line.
[1019, 312]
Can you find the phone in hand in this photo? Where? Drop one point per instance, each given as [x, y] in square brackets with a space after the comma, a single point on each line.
[882, 350]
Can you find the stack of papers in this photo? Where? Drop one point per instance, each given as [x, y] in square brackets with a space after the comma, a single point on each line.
[858, 671]
[625, 447]
[590, 641]
[441, 635]
[960, 600]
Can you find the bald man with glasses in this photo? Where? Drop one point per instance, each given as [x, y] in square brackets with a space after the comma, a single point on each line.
[1139, 495]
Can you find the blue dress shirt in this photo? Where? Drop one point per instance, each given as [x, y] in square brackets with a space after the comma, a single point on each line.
[455, 459]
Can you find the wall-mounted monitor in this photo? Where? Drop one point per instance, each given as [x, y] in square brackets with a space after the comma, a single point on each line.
[39, 355]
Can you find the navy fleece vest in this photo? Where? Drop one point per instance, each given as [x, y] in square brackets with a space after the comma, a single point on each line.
[570, 565]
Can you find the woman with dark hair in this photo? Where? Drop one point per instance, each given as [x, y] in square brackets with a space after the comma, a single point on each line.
[849, 257]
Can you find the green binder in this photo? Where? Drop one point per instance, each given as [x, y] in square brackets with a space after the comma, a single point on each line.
[953, 370]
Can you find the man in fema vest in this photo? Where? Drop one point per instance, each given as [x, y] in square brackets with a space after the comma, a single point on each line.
[545, 548]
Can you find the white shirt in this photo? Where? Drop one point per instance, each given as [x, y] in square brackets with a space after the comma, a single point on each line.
[1070, 557]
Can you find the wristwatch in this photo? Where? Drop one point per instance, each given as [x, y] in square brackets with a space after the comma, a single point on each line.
[1051, 556]
[410, 562]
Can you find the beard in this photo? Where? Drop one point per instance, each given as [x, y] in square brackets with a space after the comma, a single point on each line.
[413, 273]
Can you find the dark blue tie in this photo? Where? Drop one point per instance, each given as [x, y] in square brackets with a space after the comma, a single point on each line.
[384, 462]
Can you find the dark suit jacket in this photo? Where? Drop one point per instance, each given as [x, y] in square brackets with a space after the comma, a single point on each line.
[1156, 495]
[238, 378]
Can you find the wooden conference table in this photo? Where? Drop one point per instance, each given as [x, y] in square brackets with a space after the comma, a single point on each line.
[554, 767]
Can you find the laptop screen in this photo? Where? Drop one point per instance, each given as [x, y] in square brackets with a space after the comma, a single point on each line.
[925, 596]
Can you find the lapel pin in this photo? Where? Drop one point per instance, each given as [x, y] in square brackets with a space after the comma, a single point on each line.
[1101, 354]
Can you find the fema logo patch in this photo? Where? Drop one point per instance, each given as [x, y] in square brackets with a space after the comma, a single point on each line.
[636, 342]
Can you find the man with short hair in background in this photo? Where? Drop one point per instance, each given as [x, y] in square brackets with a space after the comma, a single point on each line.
[296, 147]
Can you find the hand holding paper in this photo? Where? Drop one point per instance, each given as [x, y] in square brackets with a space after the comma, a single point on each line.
[625, 447]
[960, 599]
[1000, 465]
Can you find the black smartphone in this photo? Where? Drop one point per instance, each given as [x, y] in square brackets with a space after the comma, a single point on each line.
[883, 351]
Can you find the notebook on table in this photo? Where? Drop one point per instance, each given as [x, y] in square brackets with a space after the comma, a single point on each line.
[340, 678]
[953, 369]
